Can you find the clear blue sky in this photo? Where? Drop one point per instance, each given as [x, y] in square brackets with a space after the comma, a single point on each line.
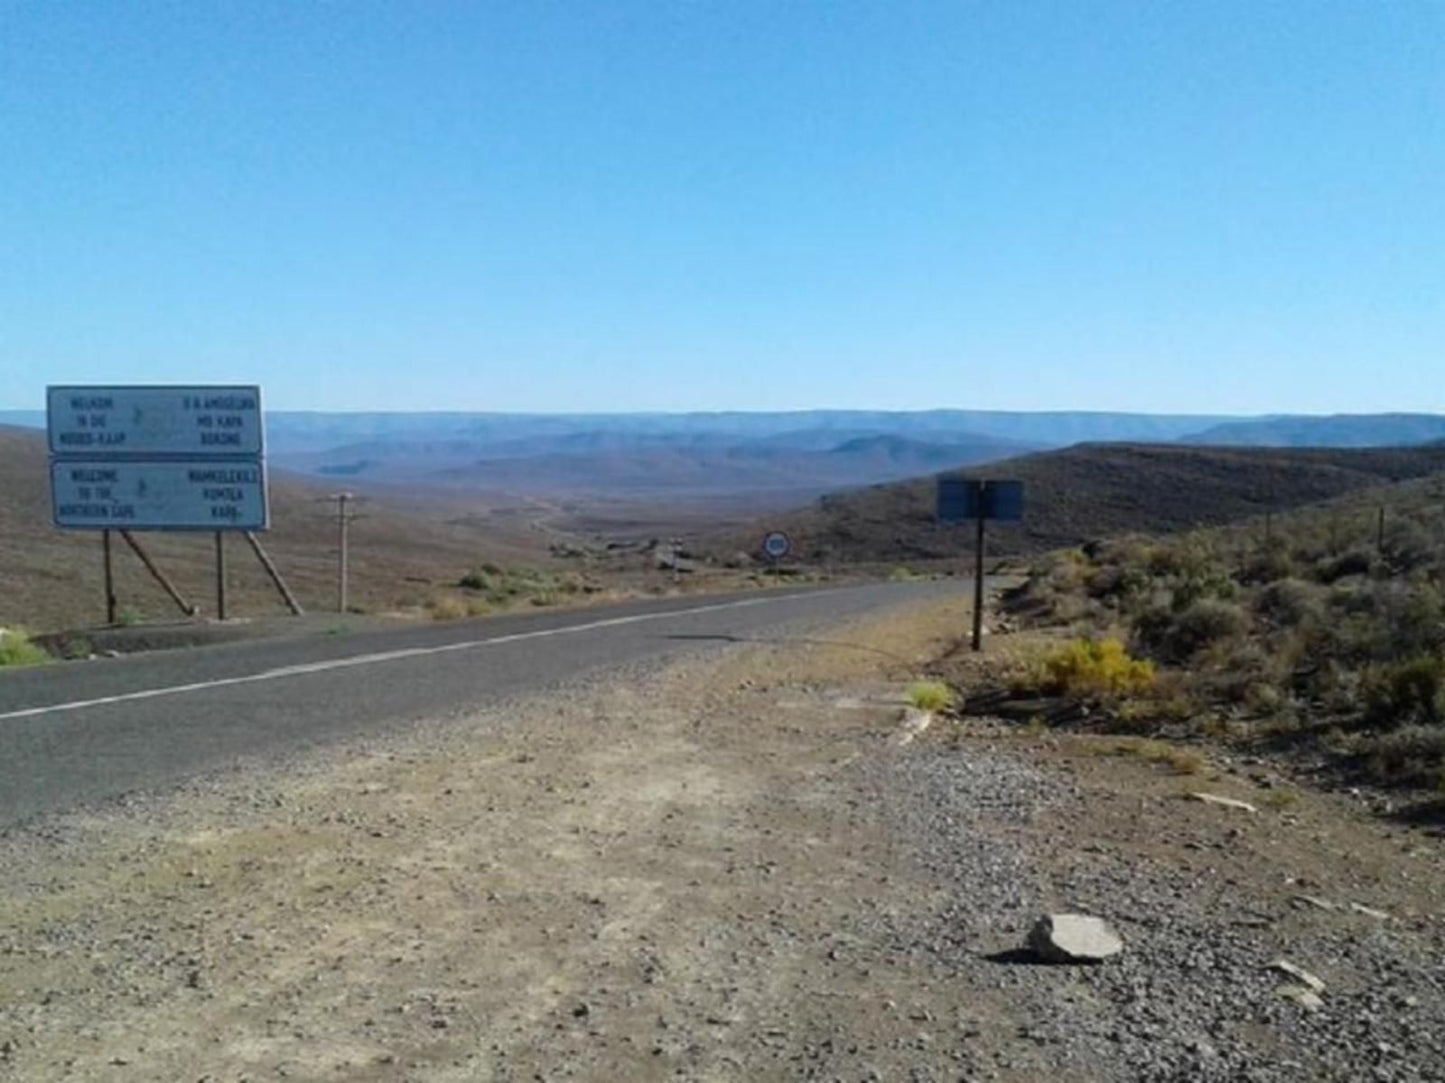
[1211, 206]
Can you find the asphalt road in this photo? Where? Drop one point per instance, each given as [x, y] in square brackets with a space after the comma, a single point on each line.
[79, 733]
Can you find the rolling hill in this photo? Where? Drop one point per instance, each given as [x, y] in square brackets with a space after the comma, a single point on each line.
[1094, 491]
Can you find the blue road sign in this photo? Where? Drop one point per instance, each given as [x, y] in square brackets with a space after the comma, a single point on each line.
[1003, 500]
[961, 499]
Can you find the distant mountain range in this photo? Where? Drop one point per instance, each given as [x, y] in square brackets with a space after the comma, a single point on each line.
[291, 432]
[1339, 430]
[803, 452]
[648, 464]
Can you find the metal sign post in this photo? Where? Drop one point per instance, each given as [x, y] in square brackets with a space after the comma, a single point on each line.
[220, 576]
[960, 499]
[110, 610]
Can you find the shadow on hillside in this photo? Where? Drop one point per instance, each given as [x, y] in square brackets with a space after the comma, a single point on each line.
[1427, 813]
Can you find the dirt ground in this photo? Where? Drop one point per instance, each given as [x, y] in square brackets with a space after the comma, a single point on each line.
[737, 866]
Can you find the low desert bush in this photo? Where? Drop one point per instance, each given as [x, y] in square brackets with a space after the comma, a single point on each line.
[1177, 635]
[1087, 668]
[1351, 562]
[445, 607]
[1182, 761]
[17, 650]
[929, 696]
[1271, 562]
[1406, 693]
[1412, 755]
[499, 587]
[1288, 602]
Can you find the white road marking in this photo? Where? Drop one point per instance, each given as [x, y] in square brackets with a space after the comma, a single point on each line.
[390, 656]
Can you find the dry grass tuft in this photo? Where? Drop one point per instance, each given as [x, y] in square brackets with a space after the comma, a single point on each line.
[929, 696]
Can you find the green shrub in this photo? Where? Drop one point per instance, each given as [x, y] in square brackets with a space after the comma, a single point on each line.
[1406, 693]
[1413, 755]
[17, 650]
[1352, 562]
[1288, 602]
[475, 580]
[1119, 583]
[445, 607]
[929, 695]
[1178, 636]
[1273, 561]
[1096, 667]
[75, 648]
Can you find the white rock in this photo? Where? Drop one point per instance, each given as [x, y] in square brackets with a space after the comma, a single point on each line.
[1226, 802]
[1073, 938]
[914, 723]
[1299, 974]
[1370, 912]
[1305, 998]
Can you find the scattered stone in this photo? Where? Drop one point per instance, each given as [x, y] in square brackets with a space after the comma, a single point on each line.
[1225, 802]
[1299, 974]
[1073, 938]
[914, 722]
[1305, 998]
[1370, 912]
[1315, 901]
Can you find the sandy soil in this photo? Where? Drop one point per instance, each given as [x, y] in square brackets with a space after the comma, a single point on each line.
[732, 868]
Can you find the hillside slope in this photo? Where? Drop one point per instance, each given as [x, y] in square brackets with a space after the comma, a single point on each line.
[1094, 491]
[52, 579]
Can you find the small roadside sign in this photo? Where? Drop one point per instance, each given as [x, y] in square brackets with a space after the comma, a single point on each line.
[196, 494]
[143, 421]
[963, 499]
[777, 545]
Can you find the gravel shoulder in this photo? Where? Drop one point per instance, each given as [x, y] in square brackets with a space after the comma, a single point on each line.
[733, 867]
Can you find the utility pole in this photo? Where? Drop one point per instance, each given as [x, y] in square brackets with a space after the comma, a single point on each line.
[343, 570]
[344, 518]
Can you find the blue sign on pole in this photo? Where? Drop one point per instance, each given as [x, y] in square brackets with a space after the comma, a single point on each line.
[1003, 500]
[962, 499]
[958, 499]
